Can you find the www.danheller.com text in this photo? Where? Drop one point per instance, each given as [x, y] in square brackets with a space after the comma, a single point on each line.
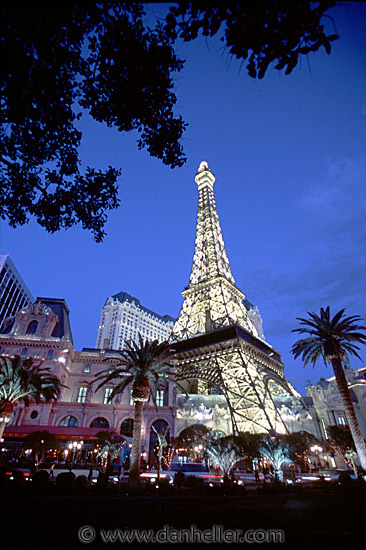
[216, 534]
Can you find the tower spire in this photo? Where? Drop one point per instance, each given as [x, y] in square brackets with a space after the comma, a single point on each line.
[212, 299]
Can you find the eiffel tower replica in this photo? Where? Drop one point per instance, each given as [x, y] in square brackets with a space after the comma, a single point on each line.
[218, 347]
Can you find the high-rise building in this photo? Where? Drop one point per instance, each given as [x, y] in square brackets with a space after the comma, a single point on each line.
[123, 318]
[14, 293]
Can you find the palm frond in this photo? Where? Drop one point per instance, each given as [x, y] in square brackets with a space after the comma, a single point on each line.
[142, 362]
[21, 380]
[329, 337]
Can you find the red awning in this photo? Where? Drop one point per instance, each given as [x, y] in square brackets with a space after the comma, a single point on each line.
[61, 432]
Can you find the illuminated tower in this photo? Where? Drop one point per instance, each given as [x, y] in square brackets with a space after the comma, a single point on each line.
[218, 346]
[212, 300]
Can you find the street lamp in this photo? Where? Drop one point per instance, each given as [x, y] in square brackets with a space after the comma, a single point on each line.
[317, 450]
[75, 446]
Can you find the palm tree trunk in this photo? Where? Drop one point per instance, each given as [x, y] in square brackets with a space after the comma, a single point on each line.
[352, 460]
[2, 427]
[278, 474]
[6, 411]
[159, 468]
[349, 410]
[134, 477]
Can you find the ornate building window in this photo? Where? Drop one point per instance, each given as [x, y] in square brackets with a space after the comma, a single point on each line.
[341, 418]
[160, 398]
[32, 327]
[69, 421]
[82, 394]
[127, 427]
[107, 395]
[324, 428]
[100, 422]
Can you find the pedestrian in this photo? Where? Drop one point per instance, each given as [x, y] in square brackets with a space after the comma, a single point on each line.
[256, 475]
[121, 473]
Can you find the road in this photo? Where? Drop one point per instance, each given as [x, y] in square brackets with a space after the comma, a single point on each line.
[322, 520]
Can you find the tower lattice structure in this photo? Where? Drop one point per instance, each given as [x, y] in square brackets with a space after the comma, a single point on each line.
[216, 342]
[212, 299]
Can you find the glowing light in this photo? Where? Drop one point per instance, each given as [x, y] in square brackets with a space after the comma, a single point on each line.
[203, 166]
[153, 476]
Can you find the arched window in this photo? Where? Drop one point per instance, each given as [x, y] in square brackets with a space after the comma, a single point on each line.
[69, 421]
[32, 327]
[161, 426]
[127, 427]
[100, 422]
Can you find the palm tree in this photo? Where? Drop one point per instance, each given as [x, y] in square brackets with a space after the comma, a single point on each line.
[40, 442]
[340, 439]
[276, 452]
[22, 380]
[160, 443]
[333, 339]
[144, 366]
[114, 450]
[191, 437]
[224, 453]
[298, 444]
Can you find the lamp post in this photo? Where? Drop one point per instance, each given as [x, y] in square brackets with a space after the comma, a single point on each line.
[198, 450]
[75, 446]
[80, 445]
[316, 450]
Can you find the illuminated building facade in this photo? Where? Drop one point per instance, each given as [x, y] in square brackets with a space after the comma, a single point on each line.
[123, 318]
[220, 346]
[42, 331]
[328, 404]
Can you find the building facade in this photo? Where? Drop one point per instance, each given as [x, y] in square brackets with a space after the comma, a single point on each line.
[328, 405]
[42, 331]
[123, 318]
[14, 293]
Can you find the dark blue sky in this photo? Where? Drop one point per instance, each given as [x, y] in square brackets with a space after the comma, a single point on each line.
[289, 157]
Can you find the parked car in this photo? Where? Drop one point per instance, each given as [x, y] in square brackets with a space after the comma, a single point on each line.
[9, 473]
